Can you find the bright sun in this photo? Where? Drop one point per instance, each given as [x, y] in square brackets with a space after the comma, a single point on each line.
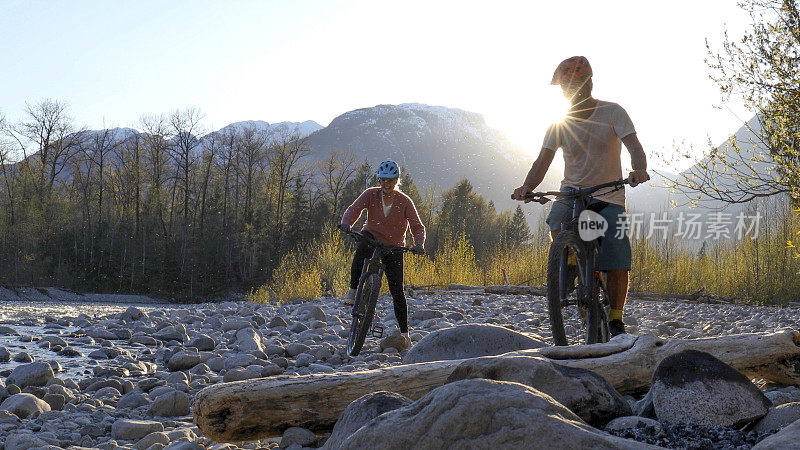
[525, 120]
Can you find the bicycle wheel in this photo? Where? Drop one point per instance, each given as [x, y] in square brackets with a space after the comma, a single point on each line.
[604, 300]
[363, 311]
[574, 313]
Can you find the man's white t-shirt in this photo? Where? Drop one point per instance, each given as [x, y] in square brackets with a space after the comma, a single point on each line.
[592, 148]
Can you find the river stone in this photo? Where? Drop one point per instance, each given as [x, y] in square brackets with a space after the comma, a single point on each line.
[33, 374]
[240, 360]
[8, 331]
[360, 412]
[274, 350]
[184, 360]
[396, 341]
[202, 342]
[22, 357]
[786, 439]
[426, 314]
[316, 313]
[100, 333]
[248, 340]
[587, 394]
[277, 321]
[23, 405]
[236, 324]
[5, 355]
[632, 422]
[184, 445]
[132, 400]
[70, 352]
[296, 348]
[54, 340]
[156, 437]
[469, 341]
[132, 314]
[298, 436]
[133, 430]
[778, 417]
[144, 340]
[480, 413]
[240, 374]
[24, 440]
[171, 404]
[172, 333]
[56, 401]
[695, 387]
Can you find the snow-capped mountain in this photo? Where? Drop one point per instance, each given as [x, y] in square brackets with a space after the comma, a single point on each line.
[274, 130]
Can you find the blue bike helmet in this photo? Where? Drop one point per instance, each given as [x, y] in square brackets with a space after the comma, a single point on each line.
[388, 169]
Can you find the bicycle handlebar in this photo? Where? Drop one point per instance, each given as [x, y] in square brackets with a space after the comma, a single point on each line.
[542, 197]
[392, 248]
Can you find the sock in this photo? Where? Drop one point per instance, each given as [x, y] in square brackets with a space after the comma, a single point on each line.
[615, 314]
[571, 259]
[405, 334]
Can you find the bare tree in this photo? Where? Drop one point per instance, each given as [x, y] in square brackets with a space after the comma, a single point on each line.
[284, 156]
[156, 154]
[185, 128]
[49, 137]
[337, 169]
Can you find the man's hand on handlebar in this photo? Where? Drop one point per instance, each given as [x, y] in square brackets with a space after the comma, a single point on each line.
[637, 177]
[520, 192]
[418, 250]
[344, 228]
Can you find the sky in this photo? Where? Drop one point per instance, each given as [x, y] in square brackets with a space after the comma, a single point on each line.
[114, 62]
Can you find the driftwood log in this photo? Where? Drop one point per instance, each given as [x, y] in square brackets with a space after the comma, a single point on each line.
[256, 409]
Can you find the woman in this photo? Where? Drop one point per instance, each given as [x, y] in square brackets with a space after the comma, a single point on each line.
[389, 215]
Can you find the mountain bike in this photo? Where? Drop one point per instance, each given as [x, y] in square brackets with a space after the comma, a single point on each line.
[578, 312]
[369, 285]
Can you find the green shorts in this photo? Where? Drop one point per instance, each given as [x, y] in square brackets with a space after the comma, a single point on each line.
[615, 247]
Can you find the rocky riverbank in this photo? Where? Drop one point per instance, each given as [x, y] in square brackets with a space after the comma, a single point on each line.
[145, 365]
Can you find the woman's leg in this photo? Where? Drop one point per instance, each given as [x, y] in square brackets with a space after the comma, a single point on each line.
[394, 275]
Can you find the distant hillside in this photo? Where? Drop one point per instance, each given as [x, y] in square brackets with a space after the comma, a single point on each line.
[437, 145]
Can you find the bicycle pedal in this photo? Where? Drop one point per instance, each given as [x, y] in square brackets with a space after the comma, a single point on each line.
[377, 331]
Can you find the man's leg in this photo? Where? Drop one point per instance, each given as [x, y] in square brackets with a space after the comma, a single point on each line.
[618, 290]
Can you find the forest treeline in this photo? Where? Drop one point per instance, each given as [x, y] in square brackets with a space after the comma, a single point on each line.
[172, 212]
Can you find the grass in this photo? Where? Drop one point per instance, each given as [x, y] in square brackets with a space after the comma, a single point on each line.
[763, 270]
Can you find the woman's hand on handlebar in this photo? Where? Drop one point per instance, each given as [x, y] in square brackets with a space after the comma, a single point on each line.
[418, 250]
[344, 228]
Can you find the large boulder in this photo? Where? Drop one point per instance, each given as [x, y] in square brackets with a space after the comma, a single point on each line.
[23, 405]
[360, 412]
[587, 394]
[469, 341]
[786, 439]
[483, 414]
[695, 387]
[33, 374]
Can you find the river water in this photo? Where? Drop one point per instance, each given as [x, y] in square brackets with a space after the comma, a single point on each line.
[28, 318]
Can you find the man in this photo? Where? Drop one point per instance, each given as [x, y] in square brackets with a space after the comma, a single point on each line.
[590, 137]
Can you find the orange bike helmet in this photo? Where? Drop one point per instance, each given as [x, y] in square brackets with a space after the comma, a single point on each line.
[575, 68]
